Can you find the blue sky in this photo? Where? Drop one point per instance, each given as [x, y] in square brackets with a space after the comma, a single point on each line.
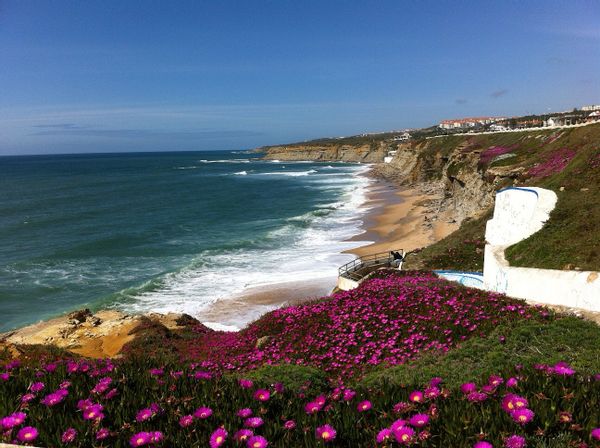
[87, 76]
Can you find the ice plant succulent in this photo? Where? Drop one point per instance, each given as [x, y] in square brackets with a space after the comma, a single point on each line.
[218, 438]
[326, 433]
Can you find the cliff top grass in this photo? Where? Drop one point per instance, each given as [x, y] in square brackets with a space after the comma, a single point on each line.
[566, 161]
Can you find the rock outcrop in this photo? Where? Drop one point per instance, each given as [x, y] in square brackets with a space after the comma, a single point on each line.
[365, 153]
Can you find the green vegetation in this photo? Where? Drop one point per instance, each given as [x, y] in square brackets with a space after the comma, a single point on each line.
[565, 338]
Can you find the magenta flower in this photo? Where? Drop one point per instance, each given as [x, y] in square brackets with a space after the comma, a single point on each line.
[398, 424]
[253, 422]
[513, 402]
[218, 438]
[364, 406]
[565, 417]
[468, 388]
[404, 435]
[384, 435]
[13, 420]
[562, 368]
[242, 435]
[477, 397]
[203, 412]
[348, 394]
[325, 433]
[4, 376]
[156, 437]
[27, 434]
[262, 395]
[82, 405]
[512, 382]
[186, 421]
[595, 433]
[102, 434]
[419, 420]
[432, 392]
[312, 407]
[144, 415]
[54, 398]
[416, 396]
[257, 442]
[140, 439]
[522, 416]
[26, 398]
[36, 387]
[157, 372]
[483, 444]
[515, 441]
[93, 412]
[290, 424]
[69, 435]
[246, 384]
[244, 413]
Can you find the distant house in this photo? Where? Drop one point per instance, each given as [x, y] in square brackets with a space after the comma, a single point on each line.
[402, 137]
[565, 120]
[591, 108]
[498, 128]
[466, 123]
[594, 116]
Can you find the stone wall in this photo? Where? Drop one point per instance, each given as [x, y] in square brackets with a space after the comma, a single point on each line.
[518, 213]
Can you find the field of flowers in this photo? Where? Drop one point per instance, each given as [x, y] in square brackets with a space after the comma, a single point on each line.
[212, 396]
[389, 319]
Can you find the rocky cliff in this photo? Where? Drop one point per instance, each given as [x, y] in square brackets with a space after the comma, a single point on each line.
[364, 153]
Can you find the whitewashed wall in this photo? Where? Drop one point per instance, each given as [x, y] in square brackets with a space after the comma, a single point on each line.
[518, 213]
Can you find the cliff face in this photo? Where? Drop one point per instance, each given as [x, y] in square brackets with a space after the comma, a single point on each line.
[365, 153]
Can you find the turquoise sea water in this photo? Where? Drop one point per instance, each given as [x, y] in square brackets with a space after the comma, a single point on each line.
[165, 231]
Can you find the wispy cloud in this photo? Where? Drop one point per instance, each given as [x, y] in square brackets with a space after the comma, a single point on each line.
[498, 93]
[68, 129]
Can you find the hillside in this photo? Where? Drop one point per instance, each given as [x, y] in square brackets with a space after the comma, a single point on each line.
[445, 366]
[464, 172]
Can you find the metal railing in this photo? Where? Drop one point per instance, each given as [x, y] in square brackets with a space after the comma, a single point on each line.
[352, 269]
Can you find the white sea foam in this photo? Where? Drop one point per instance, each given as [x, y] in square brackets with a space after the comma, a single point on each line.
[289, 173]
[225, 161]
[241, 173]
[312, 251]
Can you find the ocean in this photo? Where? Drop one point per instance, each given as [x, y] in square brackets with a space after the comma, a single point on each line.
[167, 231]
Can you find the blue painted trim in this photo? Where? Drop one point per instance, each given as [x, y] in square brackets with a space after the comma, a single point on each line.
[519, 188]
[459, 272]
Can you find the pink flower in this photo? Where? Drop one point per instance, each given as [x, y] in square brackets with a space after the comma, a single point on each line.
[419, 420]
[325, 433]
[203, 412]
[69, 435]
[36, 387]
[140, 439]
[416, 396]
[515, 441]
[144, 415]
[522, 416]
[512, 382]
[93, 412]
[468, 388]
[348, 394]
[253, 422]
[364, 406]
[26, 398]
[483, 444]
[257, 442]
[246, 384]
[27, 434]
[290, 424]
[242, 435]
[398, 424]
[513, 402]
[262, 395]
[53, 398]
[562, 368]
[4, 376]
[218, 438]
[476, 397]
[186, 421]
[595, 433]
[244, 413]
[312, 407]
[404, 435]
[384, 435]
[102, 434]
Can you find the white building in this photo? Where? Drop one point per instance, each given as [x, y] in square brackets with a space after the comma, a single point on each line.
[590, 108]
